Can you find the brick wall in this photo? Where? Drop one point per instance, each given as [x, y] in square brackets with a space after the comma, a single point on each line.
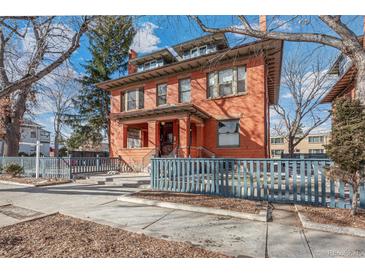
[250, 108]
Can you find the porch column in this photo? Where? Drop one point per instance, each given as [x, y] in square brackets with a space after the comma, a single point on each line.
[199, 137]
[184, 134]
[153, 134]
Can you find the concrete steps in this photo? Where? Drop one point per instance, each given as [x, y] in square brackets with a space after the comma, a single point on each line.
[125, 181]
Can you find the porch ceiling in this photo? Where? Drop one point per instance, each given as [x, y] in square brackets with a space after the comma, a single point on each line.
[160, 112]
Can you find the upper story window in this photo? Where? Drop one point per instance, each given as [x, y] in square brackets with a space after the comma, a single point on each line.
[277, 152]
[277, 140]
[161, 94]
[316, 151]
[198, 51]
[227, 82]
[150, 65]
[132, 99]
[228, 133]
[315, 139]
[33, 134]
[184, 90]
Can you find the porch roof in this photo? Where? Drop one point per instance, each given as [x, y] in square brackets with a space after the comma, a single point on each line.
[182, 108]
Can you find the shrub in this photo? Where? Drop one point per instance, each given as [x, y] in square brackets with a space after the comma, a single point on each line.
[347, 144]
[13, 169]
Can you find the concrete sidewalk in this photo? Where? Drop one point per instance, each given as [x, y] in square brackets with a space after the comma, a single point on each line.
[283, 237]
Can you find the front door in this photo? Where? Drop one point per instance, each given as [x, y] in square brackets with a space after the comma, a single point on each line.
[166, 138]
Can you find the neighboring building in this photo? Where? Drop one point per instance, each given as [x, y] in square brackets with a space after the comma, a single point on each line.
[312, 144]
[197, 99]
[30, 132]
[346, 72]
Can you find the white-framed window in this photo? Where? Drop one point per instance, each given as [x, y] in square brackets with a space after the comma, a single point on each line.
[315, 139]
[150, 65]
[132, 99]
[161, 94]
[227, 82]
[184, 90]
[228, 133]
[277, 140]
[316, 151]
[197, 51]
[133, 138]
[277, 152]
[33, 134]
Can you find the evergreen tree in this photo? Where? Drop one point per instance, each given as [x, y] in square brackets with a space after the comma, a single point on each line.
[110, 39]
[347, 144]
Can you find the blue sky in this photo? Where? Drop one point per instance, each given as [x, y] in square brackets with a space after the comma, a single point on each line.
[156, 32]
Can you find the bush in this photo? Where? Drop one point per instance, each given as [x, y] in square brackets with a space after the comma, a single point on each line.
[13, 169]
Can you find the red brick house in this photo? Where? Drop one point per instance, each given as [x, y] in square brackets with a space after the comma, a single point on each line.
[200, 98]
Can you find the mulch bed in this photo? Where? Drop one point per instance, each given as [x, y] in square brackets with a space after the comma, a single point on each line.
[60, 236]
[233, 204]
[333, 216]
[33, 181]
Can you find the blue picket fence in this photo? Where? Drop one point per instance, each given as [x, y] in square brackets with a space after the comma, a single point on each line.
[301, 181]
[66, 167]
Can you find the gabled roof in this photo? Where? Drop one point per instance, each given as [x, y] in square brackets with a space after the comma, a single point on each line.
[272, 50]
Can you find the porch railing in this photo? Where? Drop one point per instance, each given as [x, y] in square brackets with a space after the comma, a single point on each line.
[300, 181]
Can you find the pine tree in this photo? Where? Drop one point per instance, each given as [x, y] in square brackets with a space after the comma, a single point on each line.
[347, 144]
[109, 39]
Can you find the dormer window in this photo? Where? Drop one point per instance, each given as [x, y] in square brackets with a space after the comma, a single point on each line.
[198, 51]
[151, 65]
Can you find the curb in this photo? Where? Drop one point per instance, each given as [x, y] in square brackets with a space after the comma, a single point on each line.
[15, 183]
[32, 219]
[262, 216]
[358, 232]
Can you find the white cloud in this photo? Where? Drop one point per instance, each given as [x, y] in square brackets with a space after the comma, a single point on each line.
[145, 39]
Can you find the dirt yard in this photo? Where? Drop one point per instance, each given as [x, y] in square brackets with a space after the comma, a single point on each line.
[233, 204]
[333, 216]
[33, 181]
[60, 236]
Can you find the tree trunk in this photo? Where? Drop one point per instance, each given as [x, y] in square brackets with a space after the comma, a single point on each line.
[12, 123]
[355, 197]
[360, 83]
[290, 147]
[12, 137]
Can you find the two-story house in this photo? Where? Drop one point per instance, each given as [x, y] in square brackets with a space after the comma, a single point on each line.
[30, 132]
[200, 98]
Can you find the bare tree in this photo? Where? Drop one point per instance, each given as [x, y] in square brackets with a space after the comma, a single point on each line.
[344, 39]
[31, 47]
[57, 92]
[305, 80]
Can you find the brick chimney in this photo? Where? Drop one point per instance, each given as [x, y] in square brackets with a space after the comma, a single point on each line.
[262, 22]
[132, 55]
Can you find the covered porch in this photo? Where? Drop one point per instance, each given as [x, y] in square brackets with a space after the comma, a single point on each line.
[169, 131]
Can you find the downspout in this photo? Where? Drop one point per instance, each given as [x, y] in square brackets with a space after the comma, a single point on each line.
[189, 141]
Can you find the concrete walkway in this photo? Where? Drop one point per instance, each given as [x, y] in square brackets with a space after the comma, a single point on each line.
[284, 237]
